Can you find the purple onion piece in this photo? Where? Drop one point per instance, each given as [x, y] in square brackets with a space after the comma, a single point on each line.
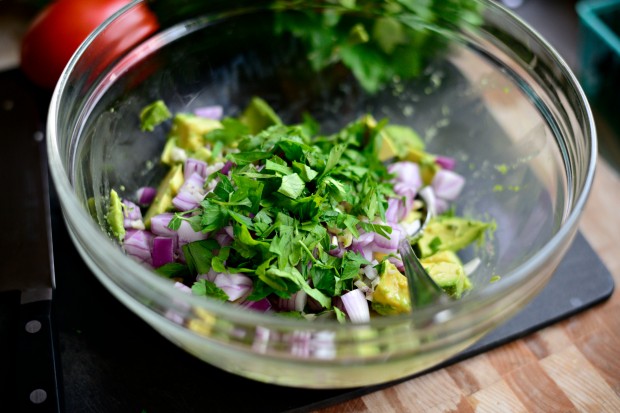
[446, 162]
[356, 306]
[262, 305]
[132, 216]
[146, 195]
[187, 234]
[159, 225]
[131, 211]
[195, 166]
[163, 251]
[234, 285]
[214, 112]
[184, 201]
[138, 244]
[390, 243]
[227, 167]
[406, 172]
[447, 184]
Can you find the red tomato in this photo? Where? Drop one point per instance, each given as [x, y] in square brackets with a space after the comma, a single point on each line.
[58, 30]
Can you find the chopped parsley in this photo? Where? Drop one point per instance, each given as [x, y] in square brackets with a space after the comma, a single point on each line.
[285, 206]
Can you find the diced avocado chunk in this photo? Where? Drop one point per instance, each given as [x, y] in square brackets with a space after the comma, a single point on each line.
[426, 161]
[172, 153]
[167, 190]
[450, 234]
[397, 141]
[202, 154]
[115, 216]
[190, 130]
[391, 295]
[258, 115]
[402, 142]
[154, 114]
[446, 269]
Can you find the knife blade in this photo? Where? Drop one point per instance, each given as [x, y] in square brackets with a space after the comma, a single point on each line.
[26, 264]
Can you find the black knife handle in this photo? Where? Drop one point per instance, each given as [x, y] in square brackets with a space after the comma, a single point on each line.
[38, 367]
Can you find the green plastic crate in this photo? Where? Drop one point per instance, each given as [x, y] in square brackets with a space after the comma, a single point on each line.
[599, 56]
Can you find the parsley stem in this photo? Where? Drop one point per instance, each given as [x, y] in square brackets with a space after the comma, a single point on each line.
[308, 251]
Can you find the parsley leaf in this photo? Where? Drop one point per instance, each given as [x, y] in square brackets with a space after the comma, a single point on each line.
[208, 288]
[292, 186]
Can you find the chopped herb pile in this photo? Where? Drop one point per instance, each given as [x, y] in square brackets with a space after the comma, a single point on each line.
[283, 218]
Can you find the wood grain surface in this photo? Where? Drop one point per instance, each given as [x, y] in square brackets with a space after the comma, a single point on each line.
[570, 366]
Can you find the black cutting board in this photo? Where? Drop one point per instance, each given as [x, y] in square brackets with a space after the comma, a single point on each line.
[112, 361]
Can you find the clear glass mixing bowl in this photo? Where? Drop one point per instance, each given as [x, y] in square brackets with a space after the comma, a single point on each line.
[499, 99]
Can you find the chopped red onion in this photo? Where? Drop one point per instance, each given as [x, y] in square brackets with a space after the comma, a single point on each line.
[163, 251]
[159, 225]
[190, 194]
[210, 276]
[296, 302]
[361, 286]
[262, 305]
[407, 189]
[223, 238]
[146, 195]
[213, 168]
[131, 210]
[132, 216]
[138, 244]
[193, 184]
[446, 162]
[185, 201]
[193, 166]
[234, 285]
[406, 172]
[441, 205]
[368, 252]
[447, 184]
[214, 112]
[337, 250]
[363, 240]
[356, 306]
[370, 271]
[396, 211]
[398, 263]
[187, 234]
[227, 167]
[390, 244]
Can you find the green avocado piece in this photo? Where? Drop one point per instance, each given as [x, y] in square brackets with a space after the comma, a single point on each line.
[167, 156]
[115, 216]
[402, 142]
[154, 114]
[167, 190]
[258, 115]
[391, 295]
[450, 234]
[190, 130]
[446, 269]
